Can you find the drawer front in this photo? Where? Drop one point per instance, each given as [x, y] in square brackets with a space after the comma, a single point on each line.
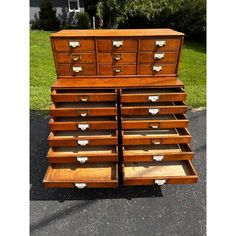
[117, 70]
[116, 58]
[160, 44]
[115, 45]
[73, 45]
[76, 70]
[83, 58]
[159, 69]
[158, 57]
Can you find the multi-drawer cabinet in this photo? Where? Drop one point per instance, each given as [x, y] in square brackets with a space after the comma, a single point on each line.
[117, 100]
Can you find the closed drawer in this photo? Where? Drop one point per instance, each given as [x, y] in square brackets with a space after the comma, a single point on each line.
[160, 44]
[83, 138]
[150, 173]
[117, 70]
[158, 69]
[153, 95]
[73, 109]
[89, 95]
[73, 45]
[76, 70]
[116, 58]
[158, 57]
[115, 45]
[156, 137]
[159, 122]
[80, 123]
[154, 153]
[82, 154]
[94, 175]
[83, 58]
[154, 110]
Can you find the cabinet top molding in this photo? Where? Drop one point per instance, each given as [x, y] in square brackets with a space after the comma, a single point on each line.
[117, 33]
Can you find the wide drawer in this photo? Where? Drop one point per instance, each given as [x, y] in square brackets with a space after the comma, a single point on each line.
[90, 175]
[83, 138]
[150, 173]
[116, 58]
[160, 44]
[73, 109]
[117, 70]
[83, 58]
[76, 69]
[82, 154]
[153, 109]
[154, 153]
[153, 95]
[150, 122]
[157, 69]
[89, 95]
[115, 45]
[156, 137]
[158, 57]
[73, 45]
[77, 123]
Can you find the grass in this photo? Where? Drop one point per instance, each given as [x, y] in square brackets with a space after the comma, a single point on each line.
[192, 71]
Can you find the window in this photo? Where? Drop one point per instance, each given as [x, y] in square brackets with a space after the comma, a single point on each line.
[73, 5]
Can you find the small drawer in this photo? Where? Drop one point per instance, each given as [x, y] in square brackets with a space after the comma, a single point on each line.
[160, 44]
[116, 58]
[159, 108]
[81, 123]
[159, 122]
[154, 153]
[158, 57]
[67, 57]
[73, 44]
[153, 95]
[117, 70]
[150, 173]
[84, 95]
[156, 137]
[76, 69]
[90, 175]
[115, 45]
[82, 154]
[157, 69]
[84, 110]
[83, 138]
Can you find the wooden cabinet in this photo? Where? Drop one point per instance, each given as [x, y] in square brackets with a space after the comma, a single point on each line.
[117, 101]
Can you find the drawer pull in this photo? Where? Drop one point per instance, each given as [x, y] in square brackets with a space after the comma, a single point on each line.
[117, 58]
[74, 44]
[153, 111]
[156, 142]
[153, 98]
[83, 114]
[80, 185]
[160, 43]
[77, 69]
[157, 68]
[83, 126]
[117, 70]
[82, 160]
[158, 158]
[158, 56]
[154, 126]
[83, 142]
[160, 182]
[117, 43]
[84, 99]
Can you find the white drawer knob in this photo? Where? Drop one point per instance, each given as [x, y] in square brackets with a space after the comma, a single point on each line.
[80, 185]
[83, 126]
[160, 182]
[158, 56]
[157, 68]
[153, 98]
[77, 69]
[83, 114]
[153, 111]
[158, 158]
[82, 159]
[117, 44]
[74, 44]
[83, 142]
[117, 70]
[160, 43]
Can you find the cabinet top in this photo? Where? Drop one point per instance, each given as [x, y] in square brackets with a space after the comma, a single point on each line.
[116, 33]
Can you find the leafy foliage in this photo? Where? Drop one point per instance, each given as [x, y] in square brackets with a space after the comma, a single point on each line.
[83, 21]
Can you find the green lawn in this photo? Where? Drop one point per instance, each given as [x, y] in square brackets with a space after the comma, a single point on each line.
[42, 73]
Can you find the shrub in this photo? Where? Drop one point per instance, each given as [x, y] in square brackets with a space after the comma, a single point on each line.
[83, 21]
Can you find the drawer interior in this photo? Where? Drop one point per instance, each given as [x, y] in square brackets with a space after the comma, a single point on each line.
[160, 117]
[83, 119]
[84, 105]
[148, 104]
[146, 133]
[152, 91]
[84, 91]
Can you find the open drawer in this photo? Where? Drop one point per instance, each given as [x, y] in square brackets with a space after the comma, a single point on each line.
[150, 173]
[157, 122]
[154, 153]
[81, 123]
[85, 95]
[153, 109]
[81, 154]
[156, 137]
[76, 109]
[152, 95]
[82, 138]
[95, 175]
